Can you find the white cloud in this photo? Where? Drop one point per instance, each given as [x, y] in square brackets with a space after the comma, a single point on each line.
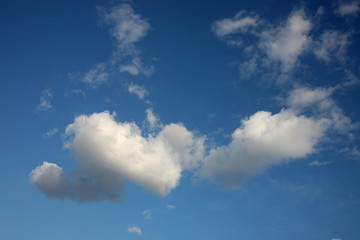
[146, 214]
[347, 8]
[169, 206]
[127, 26]
[285, 43]
[152, 119]
[108, 152]
[96, 76]
[135, 229]
[319, 100]
[50, 133]
[261, 141]
[136, 67]
[242, 22]
[332, 44]
[137, 90]
[336, 239]
[319, 164]
[50, 179]
[45, 100]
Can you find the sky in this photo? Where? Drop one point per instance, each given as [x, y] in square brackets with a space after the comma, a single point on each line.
[180, 120]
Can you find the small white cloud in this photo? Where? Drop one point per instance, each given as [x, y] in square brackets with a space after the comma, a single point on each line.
[348, 8]
[151, 118]
[336, 239]
[146, 214]
[50, 179]
[137, 90]
[127, 26]
[319, 164]
[45, 100]
[285, 43]
[135, 229]
[241, 22]
[170, 207]
[50, 133]
[96, 76]
[136, 67]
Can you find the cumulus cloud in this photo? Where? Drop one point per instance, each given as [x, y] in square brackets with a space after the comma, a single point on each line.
[127, 26]
[108, 152]
[137, 90]
[261, 141]
[45, 100]
[136, 67]
[348, 8]
[96, 76]
[135, 229]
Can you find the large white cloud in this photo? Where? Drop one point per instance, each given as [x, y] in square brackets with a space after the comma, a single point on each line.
[108, 152]
[261, 141]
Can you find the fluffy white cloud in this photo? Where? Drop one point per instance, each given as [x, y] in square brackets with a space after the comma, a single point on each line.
[137, 90]
[287, 42]
[96, 76]
[45, 100]
[127, 26]
[135, 229]
[136, 67]
[261, 141]
[331, 44]
[50, 179]
[108, 152]
[347, 8]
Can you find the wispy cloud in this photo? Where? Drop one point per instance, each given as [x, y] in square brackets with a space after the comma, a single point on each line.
[136, 67]
[348, 8]
[146, 214]
[135, 229]
[137, 90]
[127, 27]
[319, 164]
[45, 100]
[96, 76]
[50, 133]
[279, 48]
[169, 206]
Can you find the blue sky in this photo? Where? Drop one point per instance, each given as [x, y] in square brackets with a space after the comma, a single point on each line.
[180, 120]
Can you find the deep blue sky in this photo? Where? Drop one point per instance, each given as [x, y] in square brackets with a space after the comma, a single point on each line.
[179, 120]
